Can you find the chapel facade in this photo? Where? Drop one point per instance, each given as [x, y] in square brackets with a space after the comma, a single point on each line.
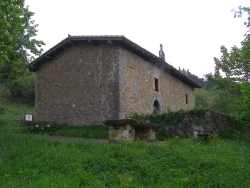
[85, 80]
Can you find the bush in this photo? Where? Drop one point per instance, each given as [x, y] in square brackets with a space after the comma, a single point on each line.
[170, 118]
[24, 94]
[4, 93]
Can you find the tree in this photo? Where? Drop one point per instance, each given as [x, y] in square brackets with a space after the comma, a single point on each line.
[17, 47]
[232, 70]
[216, 100]
[245, 91]
[233, 67]
[17, 32]
[203, 82]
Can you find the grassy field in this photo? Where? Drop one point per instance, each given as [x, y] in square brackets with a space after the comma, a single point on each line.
[11, 121]
[28, 161]
[38, 162]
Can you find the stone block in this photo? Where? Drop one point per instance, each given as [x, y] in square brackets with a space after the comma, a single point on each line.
[130, 129]
[121, 133]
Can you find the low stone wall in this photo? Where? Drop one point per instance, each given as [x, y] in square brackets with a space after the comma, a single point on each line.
[211, 123]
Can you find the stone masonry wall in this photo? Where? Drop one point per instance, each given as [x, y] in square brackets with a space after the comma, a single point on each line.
[78, 87]
[211, 123]
[137, 93]
[87, 84]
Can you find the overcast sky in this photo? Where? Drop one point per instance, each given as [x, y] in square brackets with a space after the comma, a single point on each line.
[191, 31]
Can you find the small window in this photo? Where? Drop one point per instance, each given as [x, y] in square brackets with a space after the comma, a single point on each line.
[186, 98]
[156, 85]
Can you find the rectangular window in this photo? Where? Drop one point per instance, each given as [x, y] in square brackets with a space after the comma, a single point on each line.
[156, 85]
[186, 98]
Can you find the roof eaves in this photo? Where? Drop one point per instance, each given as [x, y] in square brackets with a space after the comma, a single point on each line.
[115, 38]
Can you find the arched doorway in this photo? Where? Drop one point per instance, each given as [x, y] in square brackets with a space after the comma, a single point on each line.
[156, 107]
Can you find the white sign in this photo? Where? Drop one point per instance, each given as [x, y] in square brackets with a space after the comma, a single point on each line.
[28, 117]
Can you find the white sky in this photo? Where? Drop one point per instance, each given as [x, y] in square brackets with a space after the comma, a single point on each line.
[191, 31]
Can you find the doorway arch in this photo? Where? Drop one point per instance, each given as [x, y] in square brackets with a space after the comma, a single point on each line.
[156, 106]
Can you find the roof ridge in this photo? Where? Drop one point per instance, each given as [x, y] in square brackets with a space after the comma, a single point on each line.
[114, 39]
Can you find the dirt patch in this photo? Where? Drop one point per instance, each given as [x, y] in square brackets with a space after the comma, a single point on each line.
[66, 139]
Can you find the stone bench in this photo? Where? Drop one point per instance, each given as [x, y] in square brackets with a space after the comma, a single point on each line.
[130, 129]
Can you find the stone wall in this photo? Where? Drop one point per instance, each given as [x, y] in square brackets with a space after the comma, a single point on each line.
[78, 87]
[137, 87]
[87, 84]
[211, 123]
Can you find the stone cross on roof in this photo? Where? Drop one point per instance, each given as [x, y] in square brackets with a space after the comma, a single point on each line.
[161, 53]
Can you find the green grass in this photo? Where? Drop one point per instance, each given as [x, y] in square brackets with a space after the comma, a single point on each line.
[28, 161]
[93, 131]
[12, 122]
[39, 162]
[15, 111]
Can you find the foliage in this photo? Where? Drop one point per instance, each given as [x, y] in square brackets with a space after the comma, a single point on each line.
[203, 82]
[245, 90]
[4, 93]
[239, 13]
[234, 64]
[235, 67]
[17, 48]
[22, 90]
[17, 37]
[24, 94]
[28, 161]
[232, 69]
[217, 100]
[170, 118]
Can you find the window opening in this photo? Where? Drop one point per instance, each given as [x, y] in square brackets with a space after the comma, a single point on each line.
[186, 98]
[156, 85]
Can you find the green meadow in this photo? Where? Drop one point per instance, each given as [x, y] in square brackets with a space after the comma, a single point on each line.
[38, 161]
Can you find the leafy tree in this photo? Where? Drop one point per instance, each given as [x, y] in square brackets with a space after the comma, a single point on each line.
[216, 100]
[232, 71]
[17, 47]
[17, 32]
[239, 13]
[233, 67]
